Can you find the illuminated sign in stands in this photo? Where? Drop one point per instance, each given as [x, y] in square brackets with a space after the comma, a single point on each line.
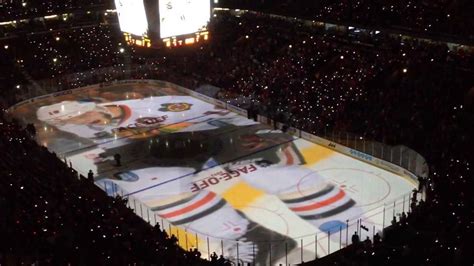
[361, 155]
[142, 41]
[186, 40]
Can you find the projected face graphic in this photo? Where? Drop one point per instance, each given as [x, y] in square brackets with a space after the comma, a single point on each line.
[179, 17]
[91, 118]
[132, 16]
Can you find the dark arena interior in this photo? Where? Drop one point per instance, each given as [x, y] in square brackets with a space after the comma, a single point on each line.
[236, 132]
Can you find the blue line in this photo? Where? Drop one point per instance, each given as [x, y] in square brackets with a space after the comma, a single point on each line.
[204, 169]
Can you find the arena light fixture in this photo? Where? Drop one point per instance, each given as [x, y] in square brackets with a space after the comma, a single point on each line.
[50, 16]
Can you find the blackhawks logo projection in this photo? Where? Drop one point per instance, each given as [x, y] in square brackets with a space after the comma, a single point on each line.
[175, 107]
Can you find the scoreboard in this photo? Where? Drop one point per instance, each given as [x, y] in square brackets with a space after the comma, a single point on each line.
[170, 23]
[132, 18]
[181, 17]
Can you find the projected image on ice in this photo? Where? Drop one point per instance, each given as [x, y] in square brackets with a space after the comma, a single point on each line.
[214, 177]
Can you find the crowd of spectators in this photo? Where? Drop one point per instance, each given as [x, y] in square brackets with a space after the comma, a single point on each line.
[63, 52]
[22, 9]
[11, 79]
[393, 90]
[436, 16]
[51, 217]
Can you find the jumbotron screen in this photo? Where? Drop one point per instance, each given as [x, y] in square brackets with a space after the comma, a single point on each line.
[180, 17]
[132, 16]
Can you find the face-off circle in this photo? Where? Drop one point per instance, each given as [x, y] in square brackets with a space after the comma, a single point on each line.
[365, 187]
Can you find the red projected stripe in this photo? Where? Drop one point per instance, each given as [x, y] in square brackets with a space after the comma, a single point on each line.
[320, 204]
[289, 157]
[191, 207]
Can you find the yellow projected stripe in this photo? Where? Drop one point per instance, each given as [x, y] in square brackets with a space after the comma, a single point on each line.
[234, 195]
[315, 154]
[186, 240]
[175, 127]
[241, 195]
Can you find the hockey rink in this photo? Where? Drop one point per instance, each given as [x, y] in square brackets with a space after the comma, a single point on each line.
[216, 180]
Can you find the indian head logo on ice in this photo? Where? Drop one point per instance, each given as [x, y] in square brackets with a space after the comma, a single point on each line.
[175, 107]
[149, 121]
